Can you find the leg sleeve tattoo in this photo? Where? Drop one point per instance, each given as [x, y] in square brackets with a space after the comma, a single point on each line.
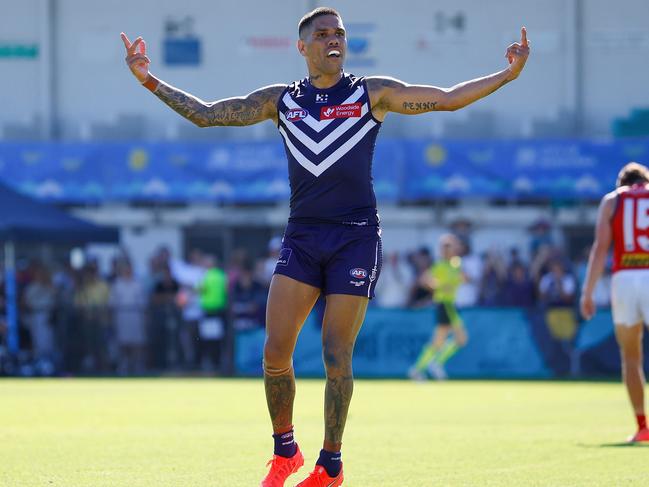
[338, 396]
[280, 395]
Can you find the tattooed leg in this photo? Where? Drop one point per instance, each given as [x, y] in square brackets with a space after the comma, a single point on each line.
[289, 303]
[280, 395]
[338, 396]
[343, 318]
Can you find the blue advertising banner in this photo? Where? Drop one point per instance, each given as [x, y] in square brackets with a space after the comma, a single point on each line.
[255, 172]
[503, 343]
[500, 345]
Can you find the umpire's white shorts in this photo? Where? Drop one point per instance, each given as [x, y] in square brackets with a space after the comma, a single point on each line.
[630, 297]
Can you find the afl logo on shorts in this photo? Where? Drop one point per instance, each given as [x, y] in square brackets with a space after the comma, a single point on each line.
[358, 273]
[284, 256]
[296, 114]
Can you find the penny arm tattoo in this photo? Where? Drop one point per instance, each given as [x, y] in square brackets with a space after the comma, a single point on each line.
[419, 106]
[392, 95]
[280, 393]
[253, 108]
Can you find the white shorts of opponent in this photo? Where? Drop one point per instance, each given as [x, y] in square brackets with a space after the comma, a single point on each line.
[630, 297]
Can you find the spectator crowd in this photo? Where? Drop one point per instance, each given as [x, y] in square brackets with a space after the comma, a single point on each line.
[183, 314]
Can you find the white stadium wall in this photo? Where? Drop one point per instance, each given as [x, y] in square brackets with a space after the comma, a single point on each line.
[84, 85]
[244, 45]
[23, 98]
[616, 50]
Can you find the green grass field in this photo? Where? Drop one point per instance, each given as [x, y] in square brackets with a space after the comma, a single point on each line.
[212, 432]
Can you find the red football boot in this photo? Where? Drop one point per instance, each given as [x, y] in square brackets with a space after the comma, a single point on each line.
[641, 436]
[319, 478]
[281, 468]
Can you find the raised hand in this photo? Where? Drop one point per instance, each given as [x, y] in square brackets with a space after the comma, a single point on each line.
[517, 54]
[136, 57]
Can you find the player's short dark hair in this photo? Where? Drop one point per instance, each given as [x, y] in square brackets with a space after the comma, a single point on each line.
[632, 173]
[307, 20]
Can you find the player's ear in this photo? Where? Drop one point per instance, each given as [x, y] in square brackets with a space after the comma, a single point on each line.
[301, 47]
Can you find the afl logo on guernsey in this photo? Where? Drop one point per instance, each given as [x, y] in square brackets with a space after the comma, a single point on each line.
[296, 114]
[358, 273]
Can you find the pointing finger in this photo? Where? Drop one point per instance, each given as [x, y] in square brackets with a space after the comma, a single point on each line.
[143, 47]
[127, 43]
[524, 36]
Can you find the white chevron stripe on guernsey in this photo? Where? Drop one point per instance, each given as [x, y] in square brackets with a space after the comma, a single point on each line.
[318, 147]
[319, 125]
[317, 170]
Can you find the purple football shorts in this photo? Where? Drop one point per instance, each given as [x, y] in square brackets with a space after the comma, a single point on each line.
[336, 258]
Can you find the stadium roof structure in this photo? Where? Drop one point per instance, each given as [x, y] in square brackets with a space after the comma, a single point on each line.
[24, 219]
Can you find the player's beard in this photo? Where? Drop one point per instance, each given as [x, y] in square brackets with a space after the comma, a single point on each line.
[333, 66]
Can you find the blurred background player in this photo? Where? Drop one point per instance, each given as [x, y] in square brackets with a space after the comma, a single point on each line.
[329, 122]
[623, 220]
[443, 279]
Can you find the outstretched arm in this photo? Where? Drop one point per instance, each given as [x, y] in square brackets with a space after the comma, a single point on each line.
[598, 253]
[253, 108]
[391, 95]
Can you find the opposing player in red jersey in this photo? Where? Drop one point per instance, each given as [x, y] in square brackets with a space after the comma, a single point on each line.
[624, 221]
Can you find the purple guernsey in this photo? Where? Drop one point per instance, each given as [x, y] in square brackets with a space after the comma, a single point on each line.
[329, 136]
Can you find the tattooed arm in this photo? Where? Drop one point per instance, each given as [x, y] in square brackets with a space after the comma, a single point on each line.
[391, 95]
[256, 107]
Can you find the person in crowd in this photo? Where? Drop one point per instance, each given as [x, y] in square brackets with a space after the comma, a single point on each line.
[519, 288]
[462, 228]
[540, 235]
[128, 304]
[468, 292]
[494, 274]
[542, 261]
[274, 246]
[39, 302]
[397, 280]
[91, 302]
[213, 292]
[421, 260]
[248, 300]
[164, 323]
[557, 287]
[189, 274]
[238, 260]
[515, 259]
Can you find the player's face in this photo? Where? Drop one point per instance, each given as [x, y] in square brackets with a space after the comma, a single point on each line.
[325, 45]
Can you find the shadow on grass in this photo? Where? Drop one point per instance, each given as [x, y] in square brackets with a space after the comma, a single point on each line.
[615, 445]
